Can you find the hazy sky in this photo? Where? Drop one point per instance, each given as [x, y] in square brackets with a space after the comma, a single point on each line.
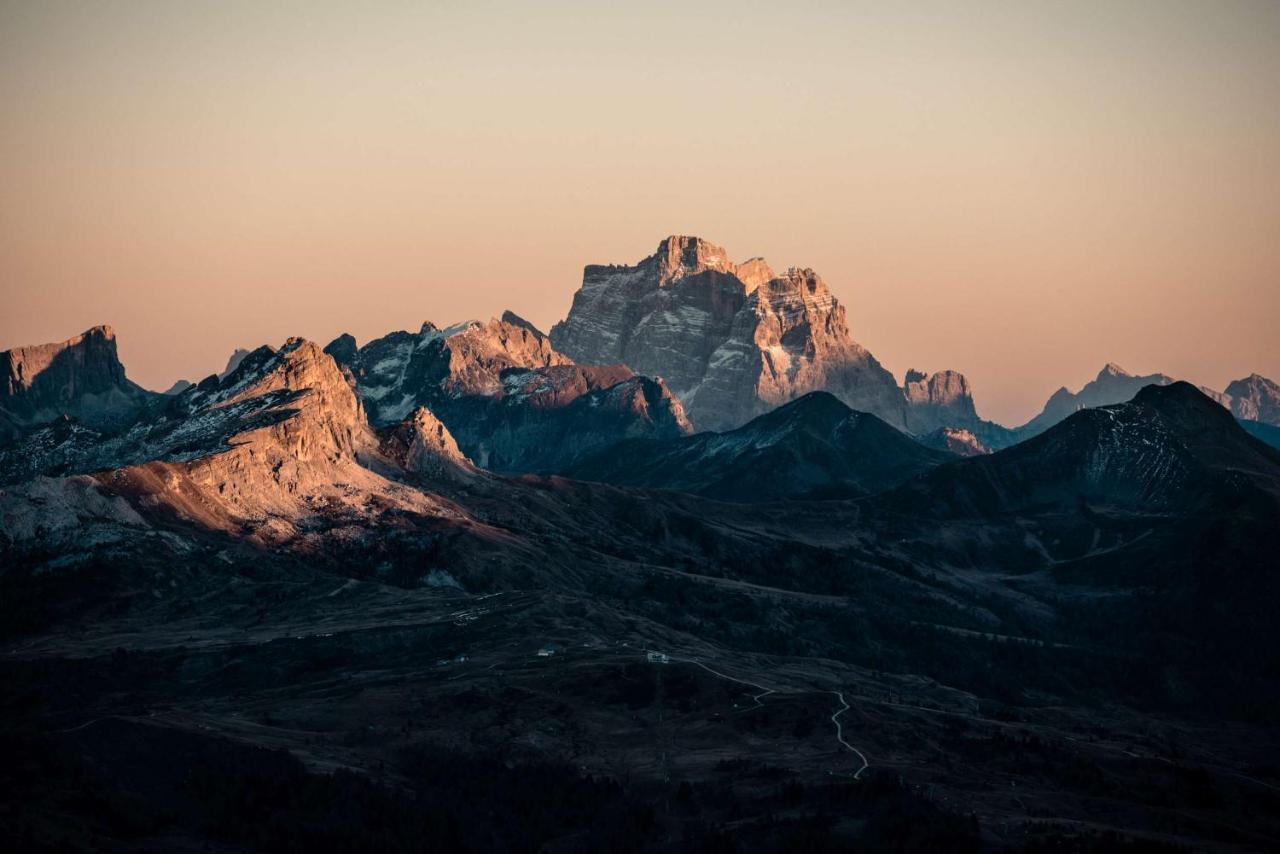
[1021, 191]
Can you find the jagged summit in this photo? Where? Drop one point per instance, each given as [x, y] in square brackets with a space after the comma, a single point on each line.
[262, 447]
[401, 371]
[731, 340]
[943, 399]
[81, 377]
[1254, 398]
[512, 319]
[510, 399]
[423, 445]
[1113, 384]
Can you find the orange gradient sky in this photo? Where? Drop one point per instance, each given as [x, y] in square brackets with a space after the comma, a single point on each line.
[1022, 191]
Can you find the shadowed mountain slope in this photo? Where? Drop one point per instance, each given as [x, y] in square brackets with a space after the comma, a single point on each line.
[813, 447]
[1167, 450]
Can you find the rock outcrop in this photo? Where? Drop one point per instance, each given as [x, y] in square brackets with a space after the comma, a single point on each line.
[402, 371]
[1254, 398]
[511, 401]
[81, 377]
[731, 340]
[422, 445]
[957, 440]
[940, 410]
[942, 399]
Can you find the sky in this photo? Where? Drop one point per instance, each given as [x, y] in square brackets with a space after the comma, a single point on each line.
[1021, 191]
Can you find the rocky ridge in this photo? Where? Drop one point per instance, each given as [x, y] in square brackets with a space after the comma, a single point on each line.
[511, 400]
[280, 440]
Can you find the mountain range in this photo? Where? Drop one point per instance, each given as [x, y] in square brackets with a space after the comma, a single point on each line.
[690, 572]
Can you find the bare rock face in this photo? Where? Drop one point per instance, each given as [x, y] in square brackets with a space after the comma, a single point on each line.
[260, 448]
[937, 400]
[941, 412]
[423, 445]
[400, 372]
[957, 440]
[268, 451]
[731, 340]
[1254, 398]
[81, 377]
[511, 401]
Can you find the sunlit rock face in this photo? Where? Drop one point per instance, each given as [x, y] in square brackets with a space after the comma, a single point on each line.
[942, 399]
[509, 399]
[957, 440]
[399, 372]
[81, 378]
[278, 447]
[422, 445]
[280, 440]
[731, 340]
[1254, 398]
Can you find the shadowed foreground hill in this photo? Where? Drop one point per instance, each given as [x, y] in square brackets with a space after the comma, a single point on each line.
[1168, 450]
[813, 447]
[255, 620]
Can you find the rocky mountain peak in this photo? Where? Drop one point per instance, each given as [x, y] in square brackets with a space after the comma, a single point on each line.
[1111, 369]
[754, 272]
[941, 399]
[81, 377]
[732, 341]
[87, 361]
[343, 349]
[512, 319]
[680, 256]
[1254, 398]
[280, 439]
[421, 444]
